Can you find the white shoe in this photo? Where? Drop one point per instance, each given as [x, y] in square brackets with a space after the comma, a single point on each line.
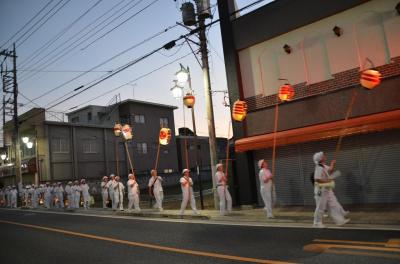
[319, 225]
[196, 212]
[344, 222]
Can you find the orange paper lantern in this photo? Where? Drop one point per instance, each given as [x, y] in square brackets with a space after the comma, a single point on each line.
[117, 130]
[239, 111]
[370, 79]
[165, 136]
[127, 132]
[286, 92]
[189, 100]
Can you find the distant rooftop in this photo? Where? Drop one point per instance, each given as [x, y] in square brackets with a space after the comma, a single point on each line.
[126, 102]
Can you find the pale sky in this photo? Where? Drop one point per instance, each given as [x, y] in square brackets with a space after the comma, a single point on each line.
[56, 40]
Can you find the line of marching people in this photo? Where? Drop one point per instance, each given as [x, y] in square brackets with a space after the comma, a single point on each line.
[49, 195]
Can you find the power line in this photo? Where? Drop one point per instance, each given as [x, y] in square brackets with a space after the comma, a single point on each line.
[134, 80]
[59, 35]
[106, 61]
[23, 41]
[27, 23]
[120, 24]
[82, 30]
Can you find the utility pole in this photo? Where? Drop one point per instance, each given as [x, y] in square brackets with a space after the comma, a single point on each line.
[208, 96]
[11, 104]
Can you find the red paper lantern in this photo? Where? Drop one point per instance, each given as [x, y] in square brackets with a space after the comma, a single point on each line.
[370, 79]
[165, 136]
[127, 132]
[286, 92]
[239, 111]
[117, 130]
[189, 100]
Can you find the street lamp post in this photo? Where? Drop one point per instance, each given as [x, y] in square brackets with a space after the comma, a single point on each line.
[183, 77]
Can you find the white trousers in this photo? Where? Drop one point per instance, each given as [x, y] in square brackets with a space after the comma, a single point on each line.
[326, 199]
[104, 195]
[77, 200]
[47, 200]
[60, 198]
[118, 199]
[266, 195]
[133, 201]
[70, 201]
[185, 200]
[225, 199]
[159, 196]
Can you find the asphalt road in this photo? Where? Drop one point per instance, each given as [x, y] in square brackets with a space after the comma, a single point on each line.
[34, 237]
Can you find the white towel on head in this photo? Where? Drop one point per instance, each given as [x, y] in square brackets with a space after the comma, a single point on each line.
[318, 157]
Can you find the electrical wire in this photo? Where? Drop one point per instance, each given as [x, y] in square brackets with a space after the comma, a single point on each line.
[84, 35]
[50, 42]
[27, 23]
[23, 41]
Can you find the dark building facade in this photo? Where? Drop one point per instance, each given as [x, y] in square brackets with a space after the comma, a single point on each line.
[324, 69]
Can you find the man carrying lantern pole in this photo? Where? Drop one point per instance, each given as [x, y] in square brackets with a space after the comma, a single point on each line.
[133, 193]
[104, 191]
[156, 190]
[225, 199]
[187, 192]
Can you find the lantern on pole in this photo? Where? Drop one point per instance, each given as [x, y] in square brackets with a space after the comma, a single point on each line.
[370, 79]
[165, 136]
[127, 132]
[117, 130]
[189, 100]
[286, 92]
[239, 111]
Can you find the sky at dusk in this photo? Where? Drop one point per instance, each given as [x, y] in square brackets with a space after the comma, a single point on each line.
[81, 35]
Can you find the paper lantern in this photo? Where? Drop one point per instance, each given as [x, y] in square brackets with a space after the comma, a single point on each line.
[189, 100]
[239, 111]
[117, 130]
[165, 136]
[286, 92]
[370, 79]
[127, 132]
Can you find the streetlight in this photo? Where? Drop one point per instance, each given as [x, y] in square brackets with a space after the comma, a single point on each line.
[25, 140]
[3, 157]
[176, 90]
[29, 145]
[183, 77]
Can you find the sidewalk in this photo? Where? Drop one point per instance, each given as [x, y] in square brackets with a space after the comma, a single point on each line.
[361, 217]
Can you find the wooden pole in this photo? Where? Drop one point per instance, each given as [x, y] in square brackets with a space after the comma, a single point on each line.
[158, 156]
[127, 154]
[274, 150]
[117, 156]
[348, 112]
[227, 150]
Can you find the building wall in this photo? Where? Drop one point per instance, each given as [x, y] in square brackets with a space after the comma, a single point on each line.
[324, 70]
[148, 132]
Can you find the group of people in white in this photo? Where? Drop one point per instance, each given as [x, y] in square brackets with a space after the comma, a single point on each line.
[48, 195]
[113, 191]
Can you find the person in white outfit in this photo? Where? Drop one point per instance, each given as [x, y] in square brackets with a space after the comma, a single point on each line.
[187, 192]
[133, 193]
[104, 191]
[68, 191]
[110, 187]
[8, 195]
[323, 192]
[47, 195]
[35, 196]
[14, 194]
[225, 199]
[119, 189]
[85, 194]
[156, 190]
[59, 194]
[265, 176]
[76, 194]
[2, 198]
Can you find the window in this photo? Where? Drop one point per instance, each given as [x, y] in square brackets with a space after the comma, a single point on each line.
[139, 119]
[89, 116]
[75, 119]
[163, 122]
[168, 170]
[60, 145]
[90, 146]
[141, 148]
